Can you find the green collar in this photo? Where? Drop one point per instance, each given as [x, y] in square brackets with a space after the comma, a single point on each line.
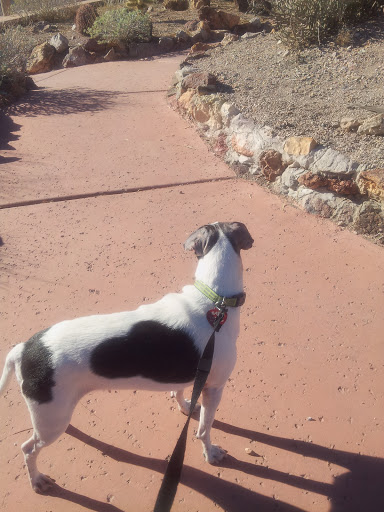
[231, 302]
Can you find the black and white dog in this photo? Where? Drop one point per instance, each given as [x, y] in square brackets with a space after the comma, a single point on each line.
[155, 347]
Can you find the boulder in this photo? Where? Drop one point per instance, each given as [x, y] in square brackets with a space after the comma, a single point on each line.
[271, 164]
[371, 182]
[349, 124]
[77, 56]
[59, 42]
[200, 80]
[372, 126]
[317, 181]
[92, 45]
[176, 5]
[41, 59]
[299, 145]
[202, 32]
[218, 20]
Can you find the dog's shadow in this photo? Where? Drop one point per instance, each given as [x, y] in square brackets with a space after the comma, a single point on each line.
[359, 489]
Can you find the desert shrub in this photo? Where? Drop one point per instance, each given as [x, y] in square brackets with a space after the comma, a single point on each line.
[122, 25]
[85, 17]
[47, 10]
[16, 44]
[305, 22]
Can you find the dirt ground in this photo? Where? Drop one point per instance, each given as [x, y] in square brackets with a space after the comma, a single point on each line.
[307, 391]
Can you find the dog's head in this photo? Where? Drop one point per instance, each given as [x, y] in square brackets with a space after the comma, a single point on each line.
[205, 238]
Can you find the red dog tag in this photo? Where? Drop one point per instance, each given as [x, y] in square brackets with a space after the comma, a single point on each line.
[213, 314]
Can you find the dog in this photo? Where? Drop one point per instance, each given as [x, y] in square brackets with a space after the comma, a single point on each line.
[155, 347]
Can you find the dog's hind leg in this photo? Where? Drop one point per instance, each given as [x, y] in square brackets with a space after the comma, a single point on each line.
[210, 401]
[183, 404]
[49, 421]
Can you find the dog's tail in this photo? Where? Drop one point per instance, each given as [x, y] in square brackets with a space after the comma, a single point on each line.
[9, 367]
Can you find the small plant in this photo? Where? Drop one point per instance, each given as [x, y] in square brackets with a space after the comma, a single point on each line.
[16, 44]
[122, 25]
[85, 18]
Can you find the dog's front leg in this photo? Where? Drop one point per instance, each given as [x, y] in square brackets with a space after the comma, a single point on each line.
[210, 400]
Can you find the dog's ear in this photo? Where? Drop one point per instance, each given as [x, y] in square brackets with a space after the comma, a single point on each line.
[202, 240]
[237, 234]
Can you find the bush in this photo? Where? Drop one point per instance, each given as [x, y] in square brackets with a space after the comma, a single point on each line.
[16, 44]
[305, 22]
[85, 17]
[122, 25]
[44, 10]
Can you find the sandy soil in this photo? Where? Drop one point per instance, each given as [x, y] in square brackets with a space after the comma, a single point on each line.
[306, 394]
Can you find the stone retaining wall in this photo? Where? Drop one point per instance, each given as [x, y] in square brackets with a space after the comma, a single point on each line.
[318, 179]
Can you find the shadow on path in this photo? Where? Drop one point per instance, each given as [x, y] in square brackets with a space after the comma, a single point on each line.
[361, 488]
[8, 129]
[229, 496]
[74, 100]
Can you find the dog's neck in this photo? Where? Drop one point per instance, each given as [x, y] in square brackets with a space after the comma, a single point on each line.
[221, 269]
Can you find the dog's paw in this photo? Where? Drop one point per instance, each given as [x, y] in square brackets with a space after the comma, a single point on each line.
[186, 407]
[215, 454]
[42, 483]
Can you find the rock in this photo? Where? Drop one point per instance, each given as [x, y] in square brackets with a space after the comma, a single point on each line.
[299, 145]
[218, 20]
[41, 59]
[249, 35]
[372, 126]
[198, 4]
[44, 26]
[166, 44]
[341, 187]
[197, 80]
[176, 5]
[349, 124]
[59, 42]
[290, 178]
[370, 219]
[242, 5]
[110, 56]
[92, 45]
[202, 32]
[183, 36]
[254, 25]
[371, 182]
[191, 26]
[228, 111]
[271, 164]
[200, 47]
[229, 38]
[77, 56]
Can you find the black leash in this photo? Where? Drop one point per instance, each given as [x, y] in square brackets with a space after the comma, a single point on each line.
[172, 474]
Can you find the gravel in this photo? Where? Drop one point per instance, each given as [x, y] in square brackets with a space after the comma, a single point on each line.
[307, 93]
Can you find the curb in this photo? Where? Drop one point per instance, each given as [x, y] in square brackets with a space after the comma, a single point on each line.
[318, 179]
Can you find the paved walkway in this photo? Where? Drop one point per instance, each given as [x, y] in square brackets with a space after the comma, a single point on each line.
[306, 394]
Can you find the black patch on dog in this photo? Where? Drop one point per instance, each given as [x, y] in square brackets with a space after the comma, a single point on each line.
[202, 240]
[237, 234]
[37, 370]
[151, 350]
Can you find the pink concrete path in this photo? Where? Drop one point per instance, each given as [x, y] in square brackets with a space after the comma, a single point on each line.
[307, 392]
